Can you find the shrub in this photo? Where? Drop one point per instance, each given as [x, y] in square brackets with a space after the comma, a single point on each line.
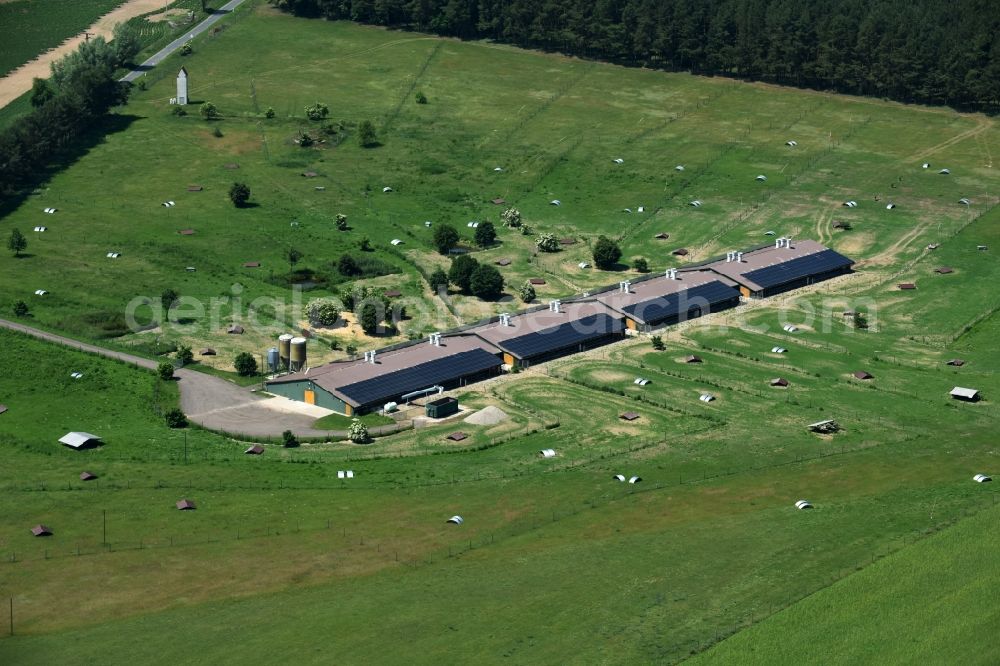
[438, 280]
[347, 266]
[341, 222]
[511, 218]
[175, 418]
[288, 439]
[187, 48]
[547, 243]
[245, 364]
[358, 432]
[21, 309]
[368, 317]
[269, 113]
[165, 370]
[658, 343]
[527, 292]
[351, 349]
[305, 140]
[317, 111]
[168, 298]
[217, 132]
[365, 245]
[322, 312]
[178, 111]
[335, 344]
[184, 355]
[209, 111]
[421, 97]
[641, 265]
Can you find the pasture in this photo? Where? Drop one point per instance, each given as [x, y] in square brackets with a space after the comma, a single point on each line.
[282, 560]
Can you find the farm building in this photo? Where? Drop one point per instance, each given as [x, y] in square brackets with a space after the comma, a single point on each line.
[80, 440]
[356, 387]
[544, 334]
[778, 268]
[671, 298]
[442, 407]
[966, 394]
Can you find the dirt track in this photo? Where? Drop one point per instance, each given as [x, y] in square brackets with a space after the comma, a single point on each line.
[18, 82]
[210, 401]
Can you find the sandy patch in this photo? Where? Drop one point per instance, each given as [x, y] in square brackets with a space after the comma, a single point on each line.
[609, 376]
[18, 82]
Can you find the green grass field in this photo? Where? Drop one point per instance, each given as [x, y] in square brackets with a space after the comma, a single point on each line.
[556, 561]
[33, 26]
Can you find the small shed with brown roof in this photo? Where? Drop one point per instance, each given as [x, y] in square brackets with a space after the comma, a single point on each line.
[235, 329]
[499, 201]
[207, 351]
[503, 262]
[41, 531]
[394, 293]
[691, 358]
[457, 436]
[957, 362]
[254, 450]
[87, 476]
[861, 374]
[567, 241]
[186, 232]
[186, 505]
[195, 188]
[680, 252]
[944, 270]
[251, 264]
[536, 281]
[629, 416]
[779, 381]
[906, 286]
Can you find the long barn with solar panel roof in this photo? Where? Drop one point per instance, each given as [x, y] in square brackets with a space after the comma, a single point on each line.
[778, 268]
[357, 387]
[671, 298]
[562, 329]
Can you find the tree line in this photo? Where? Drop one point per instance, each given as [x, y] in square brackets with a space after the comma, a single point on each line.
[81, 90]
[912, 51]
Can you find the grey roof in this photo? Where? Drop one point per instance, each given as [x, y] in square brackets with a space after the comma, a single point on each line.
[655, 290]
[334, 376]
[76, 439]
[763, 257]
[540, 320]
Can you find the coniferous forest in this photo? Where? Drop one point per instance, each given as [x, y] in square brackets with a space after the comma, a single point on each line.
[923, 51]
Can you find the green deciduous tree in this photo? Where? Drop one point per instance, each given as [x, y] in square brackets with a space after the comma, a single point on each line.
[445, 238]
[641, 265]
[658, 343]
[486, 282]
[438, 280]
[606, 253]
[341, 222]
[421, 97]
[269, 113]
[20, 309]
[17, 243]
[347, 266]
[293, 256]
[239, 194]
[289, 440]
[41, 92]
[367, 136]
[511, 218]
[486, 234]
[461, 270]
[368, 317]
[168, 298]
[245, 364]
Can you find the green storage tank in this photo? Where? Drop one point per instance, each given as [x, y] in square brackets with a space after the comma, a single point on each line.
[442, 407]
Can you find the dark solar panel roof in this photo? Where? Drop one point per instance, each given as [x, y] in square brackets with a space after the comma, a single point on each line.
[424, 375]
[703, 296]
[813, 264]
[562, 336]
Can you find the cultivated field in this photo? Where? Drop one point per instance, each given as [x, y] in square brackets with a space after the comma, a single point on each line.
[556, 562]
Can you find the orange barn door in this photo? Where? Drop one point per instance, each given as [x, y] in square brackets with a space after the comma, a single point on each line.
[310, 397]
